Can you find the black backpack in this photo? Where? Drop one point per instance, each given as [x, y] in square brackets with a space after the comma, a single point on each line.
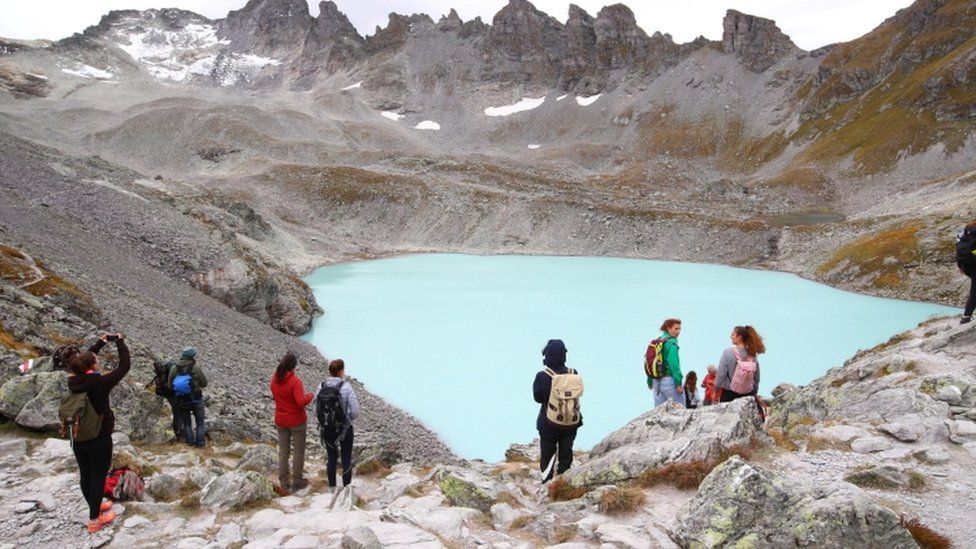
[60, 355]
[161, 381]
[966, 247]
[328, 408]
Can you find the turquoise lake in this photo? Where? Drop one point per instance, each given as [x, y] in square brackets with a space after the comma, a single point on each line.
[456, 340]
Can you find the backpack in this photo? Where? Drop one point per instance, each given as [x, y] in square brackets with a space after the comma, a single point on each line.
[654, 359]
[328, 408]
[563, 408]
[183, 389]
[59, 355]
[745, 373]
[161, 387]
[79, 420]
[123, 484]
[966, 247]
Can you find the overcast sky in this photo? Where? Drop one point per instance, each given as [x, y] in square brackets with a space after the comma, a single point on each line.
[811, 23]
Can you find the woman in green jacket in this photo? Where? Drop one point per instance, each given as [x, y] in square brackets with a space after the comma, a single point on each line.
[669, 387]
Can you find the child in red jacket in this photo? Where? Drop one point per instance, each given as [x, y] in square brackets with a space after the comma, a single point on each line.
[708, 383]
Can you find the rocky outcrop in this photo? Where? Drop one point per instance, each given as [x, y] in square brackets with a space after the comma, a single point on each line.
[235, 490]
[270, 28]
[743, 505]
[756, 42]
[525, 44]
[392, 37]
[668, 435]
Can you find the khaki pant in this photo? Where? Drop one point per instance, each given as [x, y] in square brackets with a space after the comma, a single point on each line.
[291, 439]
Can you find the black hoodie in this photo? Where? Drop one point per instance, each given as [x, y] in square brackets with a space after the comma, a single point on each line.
[555, 359]
[98, 387]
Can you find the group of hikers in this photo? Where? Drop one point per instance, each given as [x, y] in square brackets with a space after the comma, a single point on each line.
[558, 388]
[88, 420]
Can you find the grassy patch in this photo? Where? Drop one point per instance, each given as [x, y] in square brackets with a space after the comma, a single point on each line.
[509, 498]
[372, 467]
[925, 537]
[190, 503]
[621, 501]
[880, 255]
[141, 467]
[561, 490]
[782, 440]
[521, 522]
[565, 533]
[687, 476]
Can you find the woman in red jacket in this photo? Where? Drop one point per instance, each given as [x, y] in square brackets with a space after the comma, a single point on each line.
[290, 418]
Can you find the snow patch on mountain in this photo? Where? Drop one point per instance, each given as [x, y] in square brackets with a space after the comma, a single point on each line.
[87, 71]
[428, 125]
[525, 104]
[173, 54]
[584, 101]
[394, 116]
[354, 86]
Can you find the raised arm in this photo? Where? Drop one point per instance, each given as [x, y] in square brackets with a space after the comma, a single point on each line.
[352, 405]
[115, 376]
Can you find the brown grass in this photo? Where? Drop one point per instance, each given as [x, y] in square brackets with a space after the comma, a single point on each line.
[565, 533]
[866, 256]
[372, 467]
[143, 469]
[561, 490]
[925, 537]
[621, 501]
[509, 498]
[782, 440]
[190, 503]
[687, 476]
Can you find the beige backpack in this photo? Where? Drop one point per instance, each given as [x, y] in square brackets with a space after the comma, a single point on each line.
[563, 408]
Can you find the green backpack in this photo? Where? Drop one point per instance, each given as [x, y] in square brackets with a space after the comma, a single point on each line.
[79, 420]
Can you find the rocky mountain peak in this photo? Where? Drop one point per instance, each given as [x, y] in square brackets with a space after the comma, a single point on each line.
[395, 34]
[620, 42]
[580, 45]
[522, 34]
[273, 28]
[450, 22]
[757, 42]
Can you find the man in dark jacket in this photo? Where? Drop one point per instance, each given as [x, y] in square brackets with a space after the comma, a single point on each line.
[190, 402]
[554, 440]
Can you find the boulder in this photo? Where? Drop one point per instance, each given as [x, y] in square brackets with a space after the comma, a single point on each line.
[503, 515]
[465, 488]
[15, 394]
[395, 485]
[260, 459]
[344, 500]
[885, 477]
[934, 455]
[669, 435]
[743, 505]
[163, 487]
[902, 431]
[528, 453]
[236, 489]
[961, 431]
[620, 535]
[360, 537]
[870, 445]
[389, 534]
[842, 433]
[41, 412]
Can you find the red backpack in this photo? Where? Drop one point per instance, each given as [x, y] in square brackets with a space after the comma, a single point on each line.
[123, 484]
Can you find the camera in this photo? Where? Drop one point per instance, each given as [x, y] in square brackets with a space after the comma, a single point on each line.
[112, 337]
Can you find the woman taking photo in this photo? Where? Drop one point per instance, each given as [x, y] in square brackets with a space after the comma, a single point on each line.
[291, 420]
[738, 369]
[94, 456]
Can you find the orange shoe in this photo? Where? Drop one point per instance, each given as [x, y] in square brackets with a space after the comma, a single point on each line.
[106, 506]
[102, 521]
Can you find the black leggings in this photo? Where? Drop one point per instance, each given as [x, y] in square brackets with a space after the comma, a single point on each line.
[340, 446]
[94, 460]
[552, 444]
[729, 395]
[971, 302]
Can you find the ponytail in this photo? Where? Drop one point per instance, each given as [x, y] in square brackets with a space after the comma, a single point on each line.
[287, 364]
[751, 340]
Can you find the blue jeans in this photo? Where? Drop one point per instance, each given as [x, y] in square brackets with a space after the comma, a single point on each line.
[664, 389]
[198, 413]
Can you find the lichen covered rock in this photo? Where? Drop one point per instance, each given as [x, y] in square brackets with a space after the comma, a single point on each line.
[742, 505]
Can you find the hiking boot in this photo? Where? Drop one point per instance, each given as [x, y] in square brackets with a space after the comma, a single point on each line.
[300, 485]
[282, 491]
[966, 320]
[105, 507]
[102, 521]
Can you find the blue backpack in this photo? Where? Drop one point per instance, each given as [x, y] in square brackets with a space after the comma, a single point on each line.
[182, 385]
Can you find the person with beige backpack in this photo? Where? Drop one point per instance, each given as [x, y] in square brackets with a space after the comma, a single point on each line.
[558, 390]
